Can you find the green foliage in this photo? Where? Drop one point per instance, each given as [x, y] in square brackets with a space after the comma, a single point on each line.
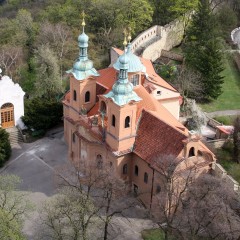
[202, 50]
[42, 114]
[162, 13]
[230, 97]
[225, 158]
[227, 18]
[13, 207]
[9, 229]
[168, 72]
[155, 234]
[5, 147]
[48, 81]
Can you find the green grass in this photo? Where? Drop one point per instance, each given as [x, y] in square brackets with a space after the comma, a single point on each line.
[153, 234]
[225, 158]
[230, 98]
[226, 120]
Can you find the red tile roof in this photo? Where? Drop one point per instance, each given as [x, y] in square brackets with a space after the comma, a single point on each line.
[107, 77]
[157, 138]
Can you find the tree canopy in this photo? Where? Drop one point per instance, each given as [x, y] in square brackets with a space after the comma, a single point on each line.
[202, 50]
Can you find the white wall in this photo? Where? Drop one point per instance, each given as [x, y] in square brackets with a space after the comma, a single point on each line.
[12, 93]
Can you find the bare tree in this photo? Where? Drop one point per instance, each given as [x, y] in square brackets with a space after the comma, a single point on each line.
[10, 59]
[210, 210]
[188, 83]
[58, 37]
[174, 175]
[112, 199]
[192, 206]
[90, 197]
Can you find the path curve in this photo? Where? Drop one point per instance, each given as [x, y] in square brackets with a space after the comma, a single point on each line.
[223, 113]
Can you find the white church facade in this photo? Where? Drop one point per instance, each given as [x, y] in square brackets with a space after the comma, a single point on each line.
[11, 103]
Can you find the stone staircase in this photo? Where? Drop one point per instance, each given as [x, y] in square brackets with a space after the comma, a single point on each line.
[14, 136]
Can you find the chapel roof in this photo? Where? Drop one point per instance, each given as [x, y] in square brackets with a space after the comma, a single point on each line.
[157, 138]
[135, 64]
[152, 76]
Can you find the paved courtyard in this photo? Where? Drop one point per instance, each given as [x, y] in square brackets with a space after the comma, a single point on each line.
[37, 164]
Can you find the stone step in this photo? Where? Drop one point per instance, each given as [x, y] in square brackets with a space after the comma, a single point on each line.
[15, 136]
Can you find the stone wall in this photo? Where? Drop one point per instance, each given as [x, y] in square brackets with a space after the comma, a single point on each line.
[151, 42]
[220, 172]
[215, 144]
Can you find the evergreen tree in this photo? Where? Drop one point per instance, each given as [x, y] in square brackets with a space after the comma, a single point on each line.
[5, 147]
[202, 50]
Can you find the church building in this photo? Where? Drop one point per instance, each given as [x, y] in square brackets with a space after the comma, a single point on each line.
[11, 103]
[126, 116]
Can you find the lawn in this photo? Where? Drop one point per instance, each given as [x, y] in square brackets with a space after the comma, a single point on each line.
[226, 120]
[153, 234]
[224, 157]
[230, 98]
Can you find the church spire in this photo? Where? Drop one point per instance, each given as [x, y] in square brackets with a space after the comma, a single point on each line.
[83, 67]
[122, 91]
[83, 41]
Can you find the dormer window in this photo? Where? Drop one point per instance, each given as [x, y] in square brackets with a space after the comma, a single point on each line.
[135, 80]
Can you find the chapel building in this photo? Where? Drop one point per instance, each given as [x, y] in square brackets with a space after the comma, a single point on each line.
[126, 116]
[11, 103]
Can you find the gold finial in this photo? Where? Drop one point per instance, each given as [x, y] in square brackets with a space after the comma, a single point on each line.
[125, 38]
[83, 19]
[129, 34]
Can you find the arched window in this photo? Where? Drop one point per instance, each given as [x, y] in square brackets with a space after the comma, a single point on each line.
[136, 170]
[113, 120]
[87, 96]
[73, 137]
[99, 161]
[158, 189]
[127, 122]
[103, 107]
[135, 80]
[191, 152]
[145, 177]
[74, 95]
[125, 169]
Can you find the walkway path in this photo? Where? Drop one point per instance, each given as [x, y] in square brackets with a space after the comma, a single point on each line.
[38, 165]
[224, 113]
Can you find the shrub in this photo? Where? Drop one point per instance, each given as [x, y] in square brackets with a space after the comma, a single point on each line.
[42, 114]
[5, 147]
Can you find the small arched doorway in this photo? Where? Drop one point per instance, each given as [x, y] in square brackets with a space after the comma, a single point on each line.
[7, 115]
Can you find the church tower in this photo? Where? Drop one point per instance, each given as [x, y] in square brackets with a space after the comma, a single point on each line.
[82, 78]
[121, 109]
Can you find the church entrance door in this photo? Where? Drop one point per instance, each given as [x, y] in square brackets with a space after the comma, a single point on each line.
[7, 115]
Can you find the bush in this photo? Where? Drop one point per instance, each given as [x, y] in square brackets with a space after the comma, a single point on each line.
[5, 147]
[42, 114]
